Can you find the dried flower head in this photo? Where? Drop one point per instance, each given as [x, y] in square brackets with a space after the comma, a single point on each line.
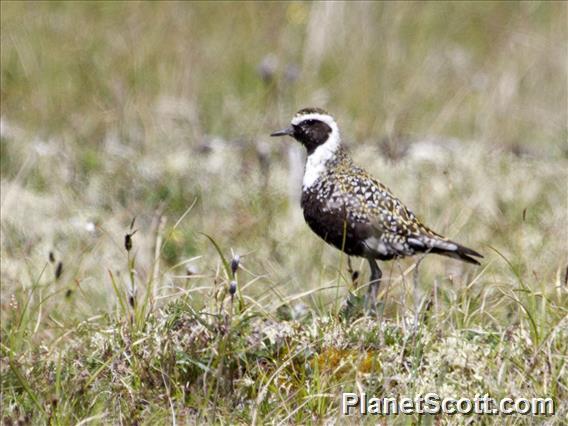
[128, 240]
[232, 288]
[235, 262]
[58, 270]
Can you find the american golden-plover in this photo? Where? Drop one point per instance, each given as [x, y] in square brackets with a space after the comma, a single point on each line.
[353, 211]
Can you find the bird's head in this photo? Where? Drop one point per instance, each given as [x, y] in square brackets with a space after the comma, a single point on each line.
[312, 127]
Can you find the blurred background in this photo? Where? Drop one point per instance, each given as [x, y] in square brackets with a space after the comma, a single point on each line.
[118, 110]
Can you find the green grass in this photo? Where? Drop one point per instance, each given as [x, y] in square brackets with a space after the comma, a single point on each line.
[161, 112]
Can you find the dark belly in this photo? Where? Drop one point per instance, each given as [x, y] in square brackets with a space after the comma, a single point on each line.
[334, 226]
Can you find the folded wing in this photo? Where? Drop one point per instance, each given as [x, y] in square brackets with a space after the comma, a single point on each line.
[394, 230]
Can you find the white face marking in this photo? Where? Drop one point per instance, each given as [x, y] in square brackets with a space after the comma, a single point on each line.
[315, 164]
[327, 119]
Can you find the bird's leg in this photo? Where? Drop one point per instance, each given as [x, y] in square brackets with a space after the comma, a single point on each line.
[353, 273]
[374, 284]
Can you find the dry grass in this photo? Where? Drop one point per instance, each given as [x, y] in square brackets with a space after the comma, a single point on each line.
[160, 112]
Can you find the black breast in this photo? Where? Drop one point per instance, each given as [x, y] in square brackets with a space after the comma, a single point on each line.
[328, 217]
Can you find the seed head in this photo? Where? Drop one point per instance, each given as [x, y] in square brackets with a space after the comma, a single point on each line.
[267, 68]
[58, 270]
[232, 288]
[235, 262]
[128, 240]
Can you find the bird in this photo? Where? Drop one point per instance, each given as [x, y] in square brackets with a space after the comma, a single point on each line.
[354, 212]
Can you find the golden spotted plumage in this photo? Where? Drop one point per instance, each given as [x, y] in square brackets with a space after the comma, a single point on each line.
[369, 220]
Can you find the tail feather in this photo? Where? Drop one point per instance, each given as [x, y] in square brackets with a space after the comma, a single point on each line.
[447, 248]
[462, 253]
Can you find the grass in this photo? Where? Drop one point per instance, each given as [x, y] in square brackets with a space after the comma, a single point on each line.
[151, 120]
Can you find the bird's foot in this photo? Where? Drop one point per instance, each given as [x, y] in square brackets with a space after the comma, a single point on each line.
[353, 307]
[356, 306]
[372, 307]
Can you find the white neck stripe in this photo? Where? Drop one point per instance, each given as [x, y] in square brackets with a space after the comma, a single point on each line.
[316, 161]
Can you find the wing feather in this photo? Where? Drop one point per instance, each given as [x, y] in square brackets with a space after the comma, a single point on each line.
[396, 231]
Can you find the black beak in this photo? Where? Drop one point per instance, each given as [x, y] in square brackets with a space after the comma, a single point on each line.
[289, 131]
